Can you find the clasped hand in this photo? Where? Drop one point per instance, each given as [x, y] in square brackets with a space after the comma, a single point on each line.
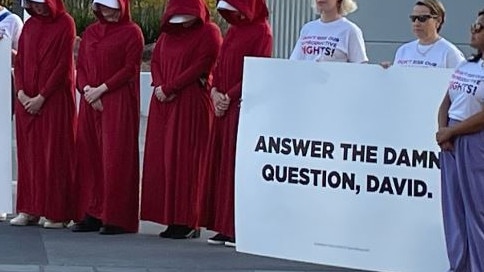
[221, 102]
[93, 96]
[161, 96]
[32, 105]
[444, 138]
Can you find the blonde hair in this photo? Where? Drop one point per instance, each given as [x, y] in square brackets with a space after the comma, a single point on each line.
[436, 8]
[345, 7]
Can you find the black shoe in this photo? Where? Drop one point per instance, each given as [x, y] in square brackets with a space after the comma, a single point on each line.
[111, 230]
[218, 239]
[87, 224]
[168, 231]
[184, 232]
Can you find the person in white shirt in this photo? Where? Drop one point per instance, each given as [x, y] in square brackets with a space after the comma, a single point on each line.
[10, 26]
[332, 37]
[429, 49]
[460, 137]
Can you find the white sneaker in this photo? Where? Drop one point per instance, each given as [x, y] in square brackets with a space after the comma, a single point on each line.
[230, 244]
[23, 219]
[3, 216]
[49, 224]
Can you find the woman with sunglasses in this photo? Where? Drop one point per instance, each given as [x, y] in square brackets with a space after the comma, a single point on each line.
[332, 37]
[460, 136]
[430, 49]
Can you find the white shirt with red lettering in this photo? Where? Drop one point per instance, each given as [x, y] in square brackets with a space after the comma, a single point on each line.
[466, 90]
[441, 53]
[339, 40]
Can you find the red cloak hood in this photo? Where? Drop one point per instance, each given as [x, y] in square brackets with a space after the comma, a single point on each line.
[125, 15]
[253, 10]
[56, 8]
[196, 8]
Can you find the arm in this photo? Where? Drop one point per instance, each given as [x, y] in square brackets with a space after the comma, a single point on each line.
[81, 67]
[16, 31]
[155, 63]
[470, 125]
[297, 51]
[65, 61]
[19, 65]
[442, 119]
[356, 47]
[262, 48]
[443, 114]
[454, 58]
[134, 51]
[205, 58]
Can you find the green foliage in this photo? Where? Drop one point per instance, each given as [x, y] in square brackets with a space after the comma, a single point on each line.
[81, 11]
[6, 3]
[146, 13]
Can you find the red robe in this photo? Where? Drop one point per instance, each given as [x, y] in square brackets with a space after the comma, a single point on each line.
[107, 172]
[249, 37]
[178, 130]
[45, 142]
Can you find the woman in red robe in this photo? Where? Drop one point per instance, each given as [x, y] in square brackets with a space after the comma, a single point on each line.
[178, 121]
[248, 35]
[108, 70]
[45, 114]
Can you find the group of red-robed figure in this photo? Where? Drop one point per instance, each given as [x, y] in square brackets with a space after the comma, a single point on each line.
[69, 167]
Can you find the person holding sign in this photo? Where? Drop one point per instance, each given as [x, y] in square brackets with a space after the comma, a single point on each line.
[10, 27]
[460, 136]
[429, 49]
[108, 77]
[45, 114]
[249, 35]
[332, 37]
[178, 121]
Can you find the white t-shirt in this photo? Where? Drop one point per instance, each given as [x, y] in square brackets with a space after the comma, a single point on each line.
[442, 54]
[339, 40]
[11, 27]
[466, 90]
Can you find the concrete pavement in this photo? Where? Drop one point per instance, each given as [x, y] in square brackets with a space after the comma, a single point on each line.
[34, 249]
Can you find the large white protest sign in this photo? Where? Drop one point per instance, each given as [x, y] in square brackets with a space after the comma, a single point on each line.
[6, 127]
[337, 164]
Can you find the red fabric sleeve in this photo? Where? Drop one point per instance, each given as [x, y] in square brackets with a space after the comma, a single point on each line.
[204, 60]
[155, 63]
[65, 49]
[262, 48]
[81, 67]
[134, 51]
[18, 67]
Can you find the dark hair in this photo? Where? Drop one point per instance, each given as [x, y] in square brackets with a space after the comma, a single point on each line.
[476, 57]
[436, 8]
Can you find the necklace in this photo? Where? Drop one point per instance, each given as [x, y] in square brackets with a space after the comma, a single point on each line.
[425, 48]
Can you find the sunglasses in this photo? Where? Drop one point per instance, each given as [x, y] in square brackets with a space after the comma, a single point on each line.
[476, 28]
[421, 18]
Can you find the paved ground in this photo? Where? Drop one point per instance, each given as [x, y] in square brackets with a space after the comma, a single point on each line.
[34, 249]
